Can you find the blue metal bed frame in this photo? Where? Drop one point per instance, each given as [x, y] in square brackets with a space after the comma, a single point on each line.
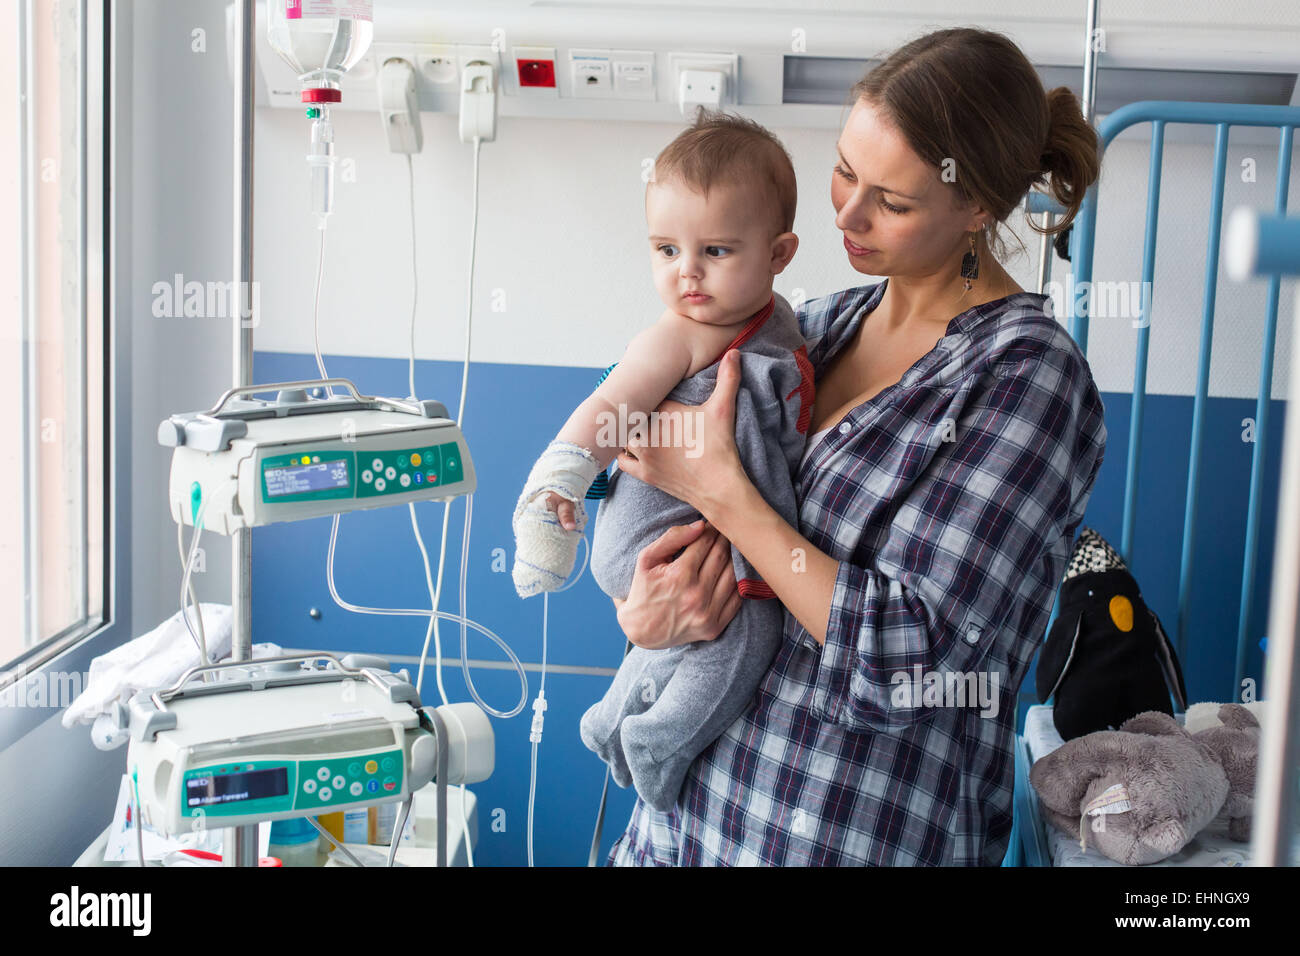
[1028, 837]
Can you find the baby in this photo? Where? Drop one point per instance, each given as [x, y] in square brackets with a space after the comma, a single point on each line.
[719, 208]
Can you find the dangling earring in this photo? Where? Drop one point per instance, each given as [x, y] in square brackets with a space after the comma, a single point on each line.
[970, 264]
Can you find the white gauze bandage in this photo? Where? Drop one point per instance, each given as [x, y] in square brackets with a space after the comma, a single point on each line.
[544, 551]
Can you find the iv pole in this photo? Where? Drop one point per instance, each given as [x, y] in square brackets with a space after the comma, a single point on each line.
[1040, 202]
[240, 843]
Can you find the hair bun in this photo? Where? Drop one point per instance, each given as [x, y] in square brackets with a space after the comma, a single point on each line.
[1045, 159]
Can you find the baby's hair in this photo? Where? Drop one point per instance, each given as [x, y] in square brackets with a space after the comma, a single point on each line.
[722, 148]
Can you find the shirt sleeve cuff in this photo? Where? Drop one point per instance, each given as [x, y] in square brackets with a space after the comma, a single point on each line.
[836, 672]
[865, 678]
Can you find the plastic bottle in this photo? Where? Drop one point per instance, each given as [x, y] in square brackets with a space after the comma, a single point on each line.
[355, 825]
[296, 843]
[333, 822]
[382, 820]
[320, 39]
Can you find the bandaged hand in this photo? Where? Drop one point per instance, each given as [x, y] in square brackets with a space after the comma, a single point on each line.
[562, 508]
[545, 546]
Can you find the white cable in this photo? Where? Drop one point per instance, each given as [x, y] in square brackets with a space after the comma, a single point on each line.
[535, 732]
[532, 789]
[435, 588]
[200, 638]
[399, 826]
[337, 845]
[434, 614]
[187, 588]
[539, 705]
[469, 293]
[425, 612]
[415, 277]
[139, 824]
[315, 309]
[435, 597]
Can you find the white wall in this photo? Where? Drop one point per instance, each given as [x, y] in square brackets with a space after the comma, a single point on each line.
[561, 241]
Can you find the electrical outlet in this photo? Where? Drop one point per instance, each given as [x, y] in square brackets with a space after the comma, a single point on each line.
[437, 66]
[634, 74]
[467, 53]
[534, 72]
[591, 73]
[728, 64]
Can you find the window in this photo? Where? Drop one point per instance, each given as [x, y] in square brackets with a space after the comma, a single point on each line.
[52, 357]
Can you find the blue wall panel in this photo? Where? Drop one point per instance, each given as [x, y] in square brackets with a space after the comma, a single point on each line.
[513, 411]
[1211, 633]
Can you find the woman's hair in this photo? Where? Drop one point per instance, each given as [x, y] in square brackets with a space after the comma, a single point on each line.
[970, 97]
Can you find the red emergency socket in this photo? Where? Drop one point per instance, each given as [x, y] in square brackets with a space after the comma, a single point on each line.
[536, 72]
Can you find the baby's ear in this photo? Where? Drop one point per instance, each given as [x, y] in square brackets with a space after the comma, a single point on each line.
[784, 247]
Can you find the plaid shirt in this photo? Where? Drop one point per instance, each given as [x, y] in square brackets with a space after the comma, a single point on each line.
[950, 500]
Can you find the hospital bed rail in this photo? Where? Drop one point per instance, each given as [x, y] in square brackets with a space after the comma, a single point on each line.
[1029, 839]
[1223, 116]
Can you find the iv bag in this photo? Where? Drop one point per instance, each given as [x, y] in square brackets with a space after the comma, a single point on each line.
[320, 39]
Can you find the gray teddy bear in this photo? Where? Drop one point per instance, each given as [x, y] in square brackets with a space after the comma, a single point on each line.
[1145, 790]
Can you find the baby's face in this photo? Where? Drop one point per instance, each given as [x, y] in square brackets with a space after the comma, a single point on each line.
[720, 248]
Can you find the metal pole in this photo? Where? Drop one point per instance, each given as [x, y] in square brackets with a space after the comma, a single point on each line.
[1276, 819]
[242, 362]
[1089, 98]
[240, 843]
[1045, 255]
[1090, 62]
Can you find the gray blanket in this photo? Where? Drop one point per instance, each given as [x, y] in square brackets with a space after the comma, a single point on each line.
[665, 707]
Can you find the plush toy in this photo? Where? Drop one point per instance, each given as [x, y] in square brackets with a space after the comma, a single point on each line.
[1234, 738]
[1106, 657]
[1144, 791]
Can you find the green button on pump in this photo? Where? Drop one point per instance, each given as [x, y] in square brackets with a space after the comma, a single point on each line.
[452, 469]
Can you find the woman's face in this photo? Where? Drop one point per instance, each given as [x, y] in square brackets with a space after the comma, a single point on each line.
[898, 215]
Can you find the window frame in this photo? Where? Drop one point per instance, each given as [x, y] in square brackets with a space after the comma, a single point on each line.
[104, 47]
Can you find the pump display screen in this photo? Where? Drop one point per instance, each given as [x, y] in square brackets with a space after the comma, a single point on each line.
[306, 478]
[216, 789]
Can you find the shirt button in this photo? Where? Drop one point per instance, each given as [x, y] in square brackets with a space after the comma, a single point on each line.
[973, 635]
[845, 428]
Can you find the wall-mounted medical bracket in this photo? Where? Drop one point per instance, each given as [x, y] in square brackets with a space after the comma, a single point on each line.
[399, 106]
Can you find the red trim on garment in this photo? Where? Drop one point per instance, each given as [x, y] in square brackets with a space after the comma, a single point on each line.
[805, 389]
[750, 330]
[755, 589]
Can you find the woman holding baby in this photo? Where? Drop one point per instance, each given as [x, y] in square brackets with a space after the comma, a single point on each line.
[955, 439]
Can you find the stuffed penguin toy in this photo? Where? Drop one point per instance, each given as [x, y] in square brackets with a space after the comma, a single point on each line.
[1106, 657]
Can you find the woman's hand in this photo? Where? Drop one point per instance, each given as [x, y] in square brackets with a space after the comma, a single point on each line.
[680, 600]
[694, 464]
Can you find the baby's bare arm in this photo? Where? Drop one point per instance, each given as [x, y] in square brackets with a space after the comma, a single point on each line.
[672, 349]
[655, 361]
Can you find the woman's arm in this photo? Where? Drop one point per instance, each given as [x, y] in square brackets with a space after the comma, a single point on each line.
[968, 544]
[802, 576]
